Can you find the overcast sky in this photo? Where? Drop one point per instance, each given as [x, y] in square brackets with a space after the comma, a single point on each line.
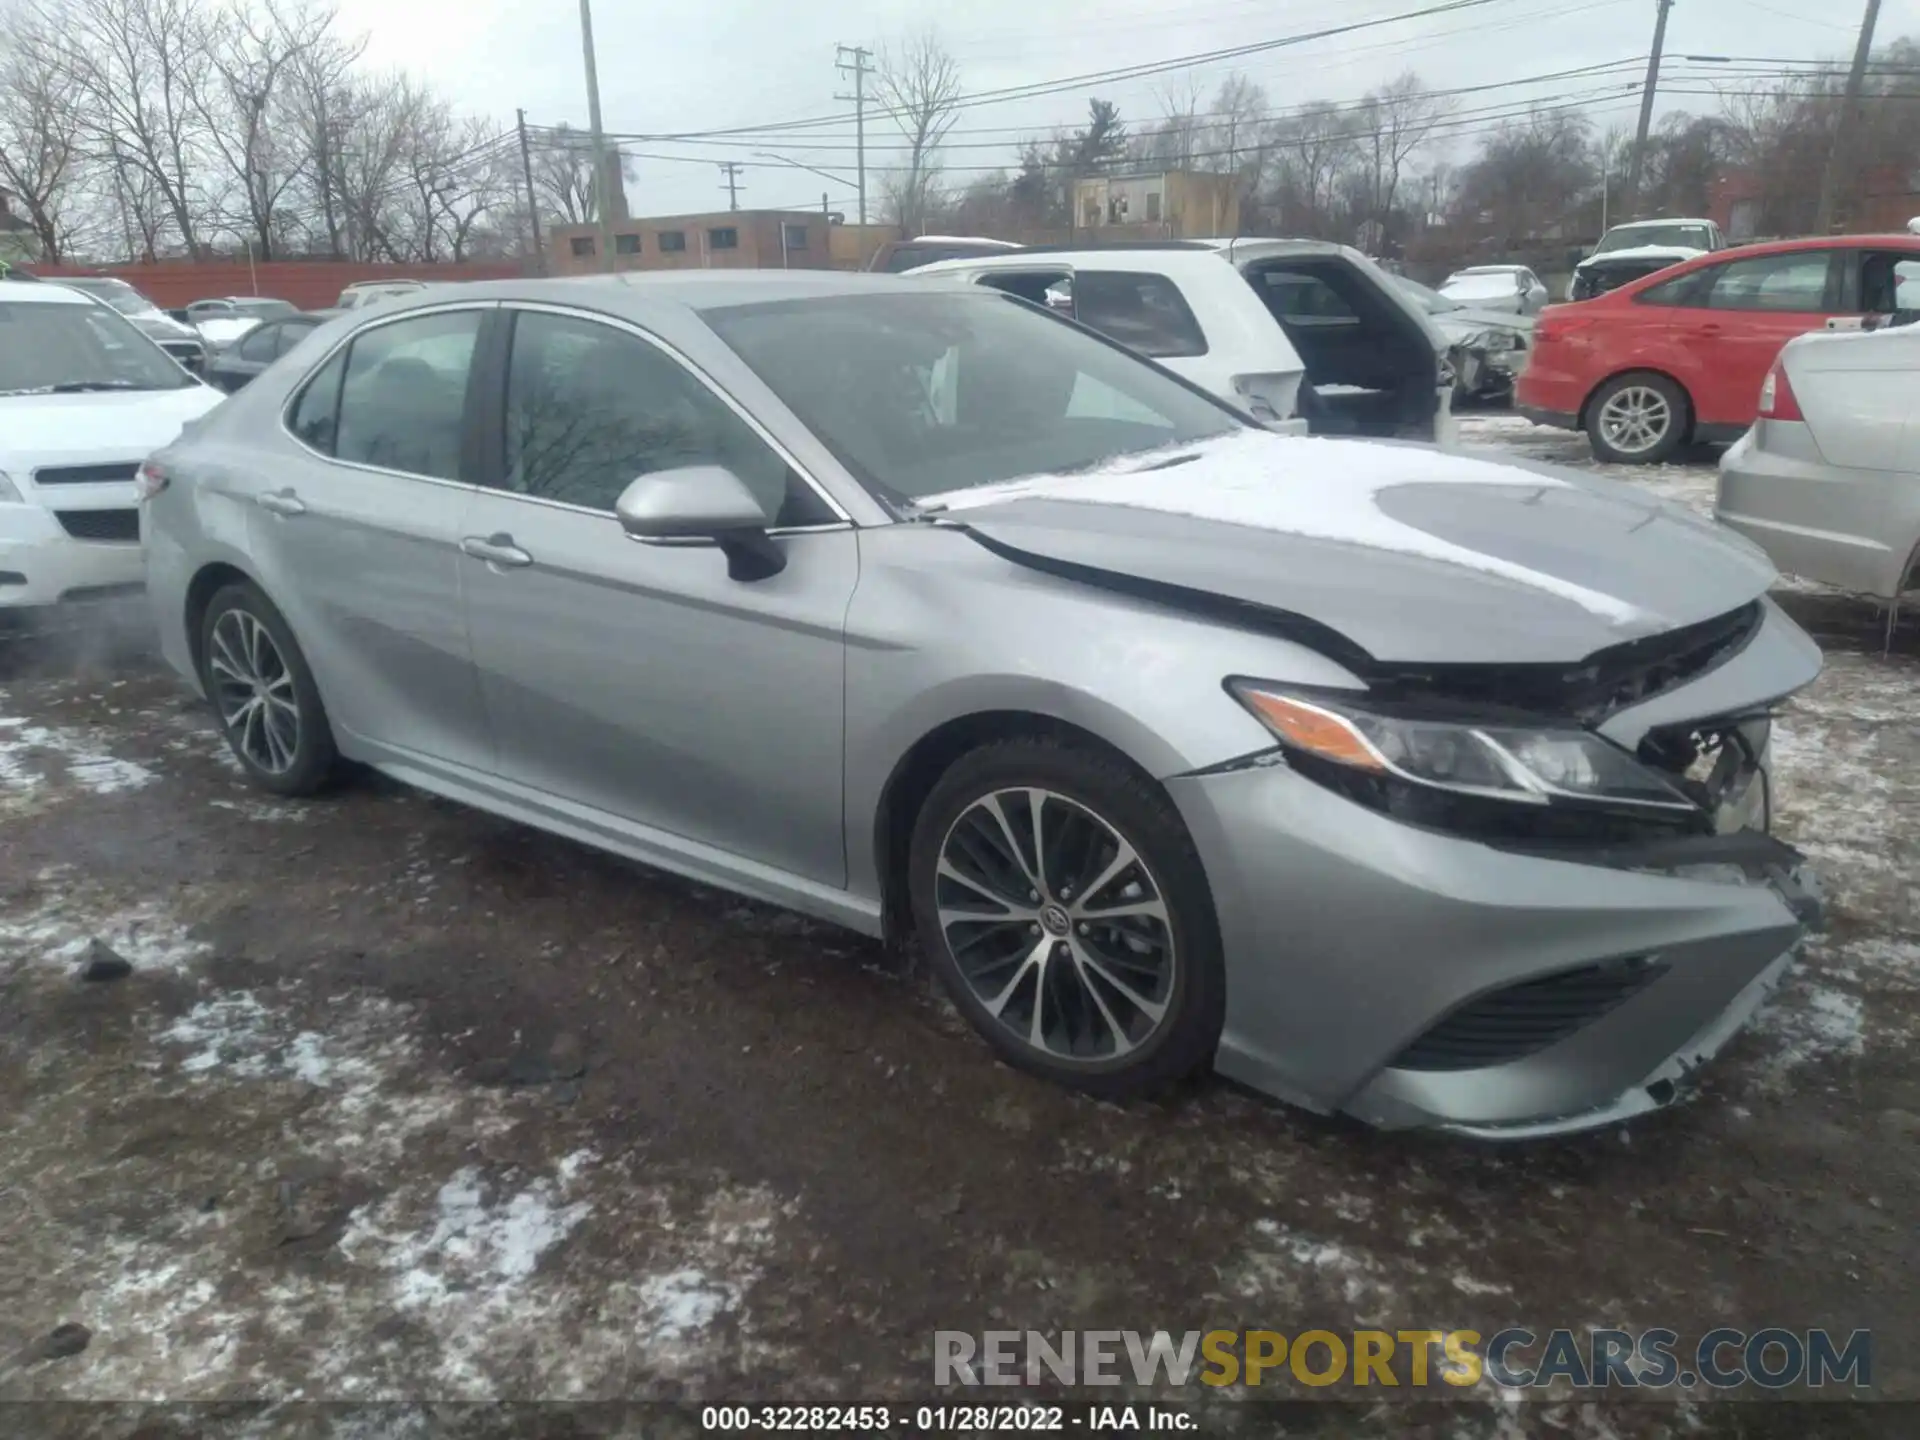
[671, 65]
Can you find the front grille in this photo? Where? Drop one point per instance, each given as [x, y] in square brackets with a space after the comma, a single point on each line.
[114, 474]
[1521, 1020]
[100, 524]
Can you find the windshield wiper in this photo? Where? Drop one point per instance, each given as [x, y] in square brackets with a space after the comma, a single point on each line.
[82, 387]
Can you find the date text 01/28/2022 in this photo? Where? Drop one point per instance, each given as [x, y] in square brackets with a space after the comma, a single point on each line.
[944, 1419]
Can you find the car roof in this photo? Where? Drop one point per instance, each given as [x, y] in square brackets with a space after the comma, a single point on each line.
[50, 292]
[1490, 270]
[627, 290]
[960, 240]
[1184, 261]
[1649, 224]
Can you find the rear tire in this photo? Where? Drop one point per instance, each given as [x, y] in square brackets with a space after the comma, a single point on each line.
[263, 694]
[1638, 419]
[1074, 961]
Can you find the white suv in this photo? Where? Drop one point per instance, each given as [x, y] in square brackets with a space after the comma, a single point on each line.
[84, 398]
[1300, 334]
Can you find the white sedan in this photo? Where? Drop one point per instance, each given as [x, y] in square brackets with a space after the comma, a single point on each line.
[1508, 288]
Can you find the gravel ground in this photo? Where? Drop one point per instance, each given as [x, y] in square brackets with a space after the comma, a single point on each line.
[403, 1101]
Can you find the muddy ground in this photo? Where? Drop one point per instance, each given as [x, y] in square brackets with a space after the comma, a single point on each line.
[403, 1101]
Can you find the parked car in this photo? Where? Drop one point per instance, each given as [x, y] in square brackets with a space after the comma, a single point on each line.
[1680, 356]
[897, 256]
[1165, 732]
[222, 321]
[84, 398]
[180, 341]
[1827, 481]
[368, 292]
[1509, 289]
[1250, 331]
[246, 357]
[1638, 249]
[1488, 348]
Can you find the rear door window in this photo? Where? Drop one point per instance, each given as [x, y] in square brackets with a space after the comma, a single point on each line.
[1795, 282]
[1301, 299]
[1144, 312]
[260, 344]
[403, 398]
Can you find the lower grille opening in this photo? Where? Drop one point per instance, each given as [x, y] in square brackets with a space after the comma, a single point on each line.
[1521, 1020]
[100, 524]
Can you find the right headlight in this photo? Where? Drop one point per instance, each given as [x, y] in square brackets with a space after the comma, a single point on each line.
[1464, 774]
[9, 492]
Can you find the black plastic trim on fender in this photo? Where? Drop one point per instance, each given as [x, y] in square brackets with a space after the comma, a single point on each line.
[1243, 614]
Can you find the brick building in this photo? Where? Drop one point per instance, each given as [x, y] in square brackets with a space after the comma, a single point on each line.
[729, 240]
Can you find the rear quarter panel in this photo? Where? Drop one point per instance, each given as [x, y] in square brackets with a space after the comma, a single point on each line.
[1859, 394]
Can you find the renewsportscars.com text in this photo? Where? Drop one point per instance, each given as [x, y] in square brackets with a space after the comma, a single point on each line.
[1521, 1359]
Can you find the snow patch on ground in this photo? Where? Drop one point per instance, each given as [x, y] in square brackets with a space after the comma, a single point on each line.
[262, 810]
[1817, 1022]
[237, 1036]
[34, 758]
[1283, 1262]
[62, 927]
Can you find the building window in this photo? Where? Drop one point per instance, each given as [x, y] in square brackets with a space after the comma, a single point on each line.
[581, 244]
[1153, 207]
[626, 244]
[724, 237]
[796, 237]
[672, 240]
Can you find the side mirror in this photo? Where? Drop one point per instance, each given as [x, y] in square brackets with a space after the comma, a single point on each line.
[696, 503]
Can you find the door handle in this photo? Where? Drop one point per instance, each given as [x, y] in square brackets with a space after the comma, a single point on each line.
[281, 502]
[496, 550]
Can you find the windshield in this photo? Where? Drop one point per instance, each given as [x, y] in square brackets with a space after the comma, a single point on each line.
[78, 347]
[1668, 237]
[1430, 300]
[1487, 285]
[117, 293]
[922, 393]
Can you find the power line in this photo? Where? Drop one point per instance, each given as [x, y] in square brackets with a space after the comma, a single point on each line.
[1062, 84]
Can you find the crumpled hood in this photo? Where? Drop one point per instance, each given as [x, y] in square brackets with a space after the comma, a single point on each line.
[1410, 553]
[1460, 324]
[100, 426]
[1672, 254]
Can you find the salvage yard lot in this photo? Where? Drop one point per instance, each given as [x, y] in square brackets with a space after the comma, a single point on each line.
[400, 1100]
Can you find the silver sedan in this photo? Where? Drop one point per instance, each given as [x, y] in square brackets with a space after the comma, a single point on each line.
[1390, 782]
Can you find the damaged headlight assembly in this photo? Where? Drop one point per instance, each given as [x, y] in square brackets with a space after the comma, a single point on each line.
[1497, 778]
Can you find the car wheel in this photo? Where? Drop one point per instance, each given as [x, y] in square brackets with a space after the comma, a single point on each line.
[1064, 907]
[1637, 419]
[263, 693]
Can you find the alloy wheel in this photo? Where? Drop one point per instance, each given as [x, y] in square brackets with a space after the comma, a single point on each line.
[1056, 925]
[1635, 419]
[254, 691]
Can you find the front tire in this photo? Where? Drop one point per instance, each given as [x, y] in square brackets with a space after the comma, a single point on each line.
[1638, 419]
[263, 693]
[1064, 907]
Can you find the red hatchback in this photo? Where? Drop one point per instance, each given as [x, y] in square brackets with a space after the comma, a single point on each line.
[1680, 356]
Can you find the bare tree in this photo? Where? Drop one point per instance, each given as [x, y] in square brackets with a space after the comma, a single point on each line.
[41, 150]
[919, 83]
[1396, 122]
[249, 106]
[139, 64]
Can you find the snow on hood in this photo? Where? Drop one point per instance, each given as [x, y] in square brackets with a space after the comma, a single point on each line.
[226, 329]
[1412, 553]
[101, 426]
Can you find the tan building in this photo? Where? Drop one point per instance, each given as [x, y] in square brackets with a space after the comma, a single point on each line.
[729, 240]
[1168, 205]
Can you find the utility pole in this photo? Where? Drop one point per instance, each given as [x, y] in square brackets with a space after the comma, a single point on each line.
[1632, 196]
[731, 169]
[602, 196]
[533, 203]
[1844, 123]
[858, 66]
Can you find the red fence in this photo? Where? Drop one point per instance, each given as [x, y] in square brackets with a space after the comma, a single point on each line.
[309, 284]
